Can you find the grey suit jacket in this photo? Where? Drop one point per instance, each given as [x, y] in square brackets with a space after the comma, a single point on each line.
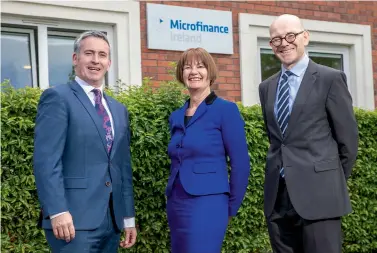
[319, 148]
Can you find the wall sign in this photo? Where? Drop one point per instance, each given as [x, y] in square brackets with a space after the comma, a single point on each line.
[179, 28]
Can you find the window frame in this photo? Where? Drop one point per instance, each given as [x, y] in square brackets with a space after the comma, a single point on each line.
[312, 48]
[62, 34]
[42, 29]
[32, 49]
[357, 37]
[333, 49]
[122, 16]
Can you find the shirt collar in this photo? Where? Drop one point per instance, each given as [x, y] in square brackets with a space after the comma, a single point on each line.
[299, 68]
[86, 87]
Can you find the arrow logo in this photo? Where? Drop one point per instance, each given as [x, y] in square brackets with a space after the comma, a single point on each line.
[161, 21]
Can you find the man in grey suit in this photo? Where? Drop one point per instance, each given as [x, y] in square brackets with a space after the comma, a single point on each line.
[313, 135]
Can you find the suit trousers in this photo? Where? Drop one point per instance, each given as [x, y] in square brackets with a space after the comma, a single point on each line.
[290, 233]
[103, 239]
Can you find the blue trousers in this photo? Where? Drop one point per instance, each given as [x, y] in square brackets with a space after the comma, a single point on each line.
[197, 223]
[103, 239]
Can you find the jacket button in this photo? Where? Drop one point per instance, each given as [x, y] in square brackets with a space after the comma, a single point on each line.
[107, 183]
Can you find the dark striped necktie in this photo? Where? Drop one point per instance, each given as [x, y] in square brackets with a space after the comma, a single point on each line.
[283, 111]
[283, 102]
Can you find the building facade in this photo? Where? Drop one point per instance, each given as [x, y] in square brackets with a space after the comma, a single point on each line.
[37, 41]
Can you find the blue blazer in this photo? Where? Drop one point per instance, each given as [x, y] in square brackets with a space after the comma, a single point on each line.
[73, 171]
[199, 151]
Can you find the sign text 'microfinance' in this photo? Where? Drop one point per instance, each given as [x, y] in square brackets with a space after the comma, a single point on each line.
[198, 26]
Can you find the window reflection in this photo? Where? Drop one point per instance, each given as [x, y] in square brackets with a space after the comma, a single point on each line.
[16, 59]
[270, 64]
[60, 49]
[330, 60]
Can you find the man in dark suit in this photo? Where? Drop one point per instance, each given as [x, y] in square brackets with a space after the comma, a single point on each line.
[82, 162]
[313, 137]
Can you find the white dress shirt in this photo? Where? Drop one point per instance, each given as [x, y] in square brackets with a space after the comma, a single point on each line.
[129, 222]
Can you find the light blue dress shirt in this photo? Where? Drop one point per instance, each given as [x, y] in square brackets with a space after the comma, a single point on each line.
[294, 81]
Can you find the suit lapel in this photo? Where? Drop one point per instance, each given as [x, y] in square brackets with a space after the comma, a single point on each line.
[272, 88]
[181, 115]
[85, 101]
[198, 113]
[113, 111]
[306, 86]
[202, 108]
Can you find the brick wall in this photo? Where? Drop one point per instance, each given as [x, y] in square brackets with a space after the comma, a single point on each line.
[155, 63]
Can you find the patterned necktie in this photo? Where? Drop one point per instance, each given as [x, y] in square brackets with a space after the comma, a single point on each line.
[283, 112]
[106, 123]
[283, 102]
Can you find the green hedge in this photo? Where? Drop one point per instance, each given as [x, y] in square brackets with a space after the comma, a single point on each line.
[149, 110]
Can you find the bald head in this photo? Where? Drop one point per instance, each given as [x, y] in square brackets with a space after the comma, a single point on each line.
[288, 39]
[286, 22]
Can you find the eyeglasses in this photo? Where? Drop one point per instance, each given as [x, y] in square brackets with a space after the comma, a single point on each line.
[289, 37]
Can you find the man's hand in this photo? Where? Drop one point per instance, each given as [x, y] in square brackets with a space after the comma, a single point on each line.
[130, 238]
[63, 228]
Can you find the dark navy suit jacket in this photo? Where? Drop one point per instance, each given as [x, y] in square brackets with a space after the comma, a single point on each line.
[72, 168]
[199, 151]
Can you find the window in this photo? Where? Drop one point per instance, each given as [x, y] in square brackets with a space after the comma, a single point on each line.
[37, 54]
[56, 22]
[329, 55]
[331, 60]
[18, 57]
[60, 48]
[270, 64]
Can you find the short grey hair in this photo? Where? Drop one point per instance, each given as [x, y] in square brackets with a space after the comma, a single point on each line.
[87, 34]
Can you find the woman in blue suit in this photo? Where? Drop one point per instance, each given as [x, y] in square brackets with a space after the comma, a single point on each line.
[204, 132]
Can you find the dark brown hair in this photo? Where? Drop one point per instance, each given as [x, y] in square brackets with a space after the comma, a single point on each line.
[200, 55]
